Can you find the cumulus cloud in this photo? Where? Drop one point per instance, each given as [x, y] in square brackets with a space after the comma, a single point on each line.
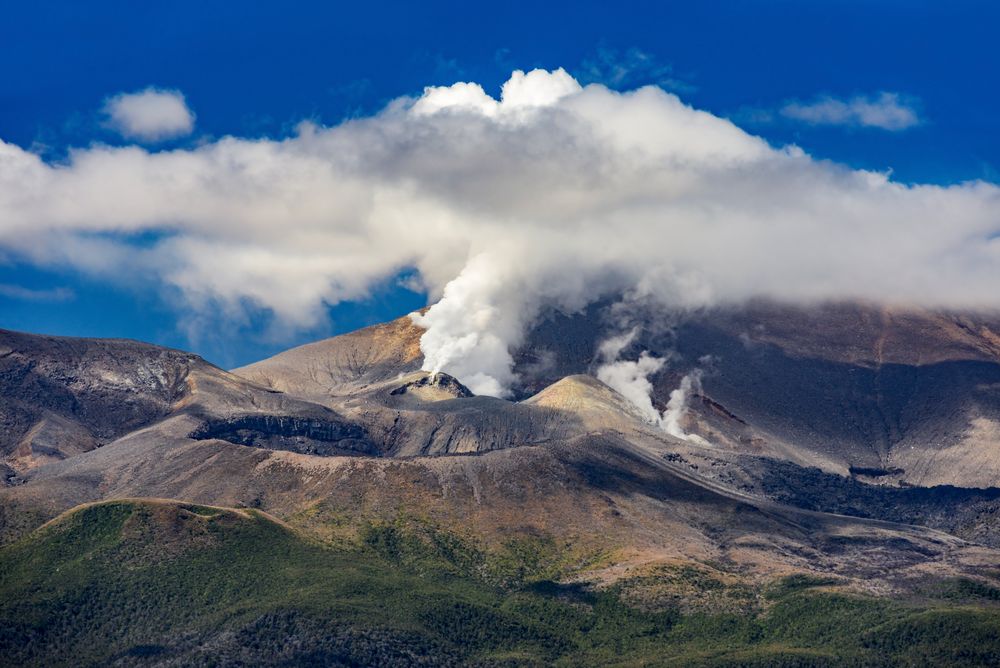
[150, 115]
[553, 195]
[887, 111]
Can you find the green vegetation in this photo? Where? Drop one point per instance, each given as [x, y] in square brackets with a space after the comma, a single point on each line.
[144, 582]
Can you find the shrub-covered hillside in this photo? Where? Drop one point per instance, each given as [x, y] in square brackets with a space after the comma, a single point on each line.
[164, 583]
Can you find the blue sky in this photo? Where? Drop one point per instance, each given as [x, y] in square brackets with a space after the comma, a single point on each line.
[258, 70]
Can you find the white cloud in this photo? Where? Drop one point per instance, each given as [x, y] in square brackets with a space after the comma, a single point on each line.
[521, 93]
[19, 292]
[150, 115]
[887, 111]
[555, 194]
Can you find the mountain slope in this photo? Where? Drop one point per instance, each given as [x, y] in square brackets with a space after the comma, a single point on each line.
[878, 397]
[604, 492]
[161, 583]
[342, 364]
[834, 386]
[63, 396]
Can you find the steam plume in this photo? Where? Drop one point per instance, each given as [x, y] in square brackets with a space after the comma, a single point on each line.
[677, 408]
[630, 378]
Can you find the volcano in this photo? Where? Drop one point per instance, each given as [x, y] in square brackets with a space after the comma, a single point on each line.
[841, 459]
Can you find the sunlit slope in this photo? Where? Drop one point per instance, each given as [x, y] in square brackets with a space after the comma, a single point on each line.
[342, 364]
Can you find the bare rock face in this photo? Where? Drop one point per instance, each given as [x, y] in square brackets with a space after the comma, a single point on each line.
[62, 396]
[311, 436]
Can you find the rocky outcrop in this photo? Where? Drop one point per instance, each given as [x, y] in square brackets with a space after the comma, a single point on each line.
[308, 436]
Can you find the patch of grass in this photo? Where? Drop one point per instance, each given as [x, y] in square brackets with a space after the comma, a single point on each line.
[691, 588]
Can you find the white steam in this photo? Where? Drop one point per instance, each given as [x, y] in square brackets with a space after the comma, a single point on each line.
[630, 378]
[469, 332]
[677, 408]
[552, 195]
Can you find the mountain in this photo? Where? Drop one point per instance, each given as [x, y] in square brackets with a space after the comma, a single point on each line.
[836, 386]
[839, 458]
[908, 395]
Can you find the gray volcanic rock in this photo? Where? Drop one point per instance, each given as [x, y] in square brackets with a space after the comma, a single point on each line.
[437, 386]
[312, 436]
[835, 386]
[342, 364]
[63, 396]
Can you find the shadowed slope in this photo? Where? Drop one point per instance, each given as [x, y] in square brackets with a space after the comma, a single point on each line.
[63, 397]
[836, 386]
